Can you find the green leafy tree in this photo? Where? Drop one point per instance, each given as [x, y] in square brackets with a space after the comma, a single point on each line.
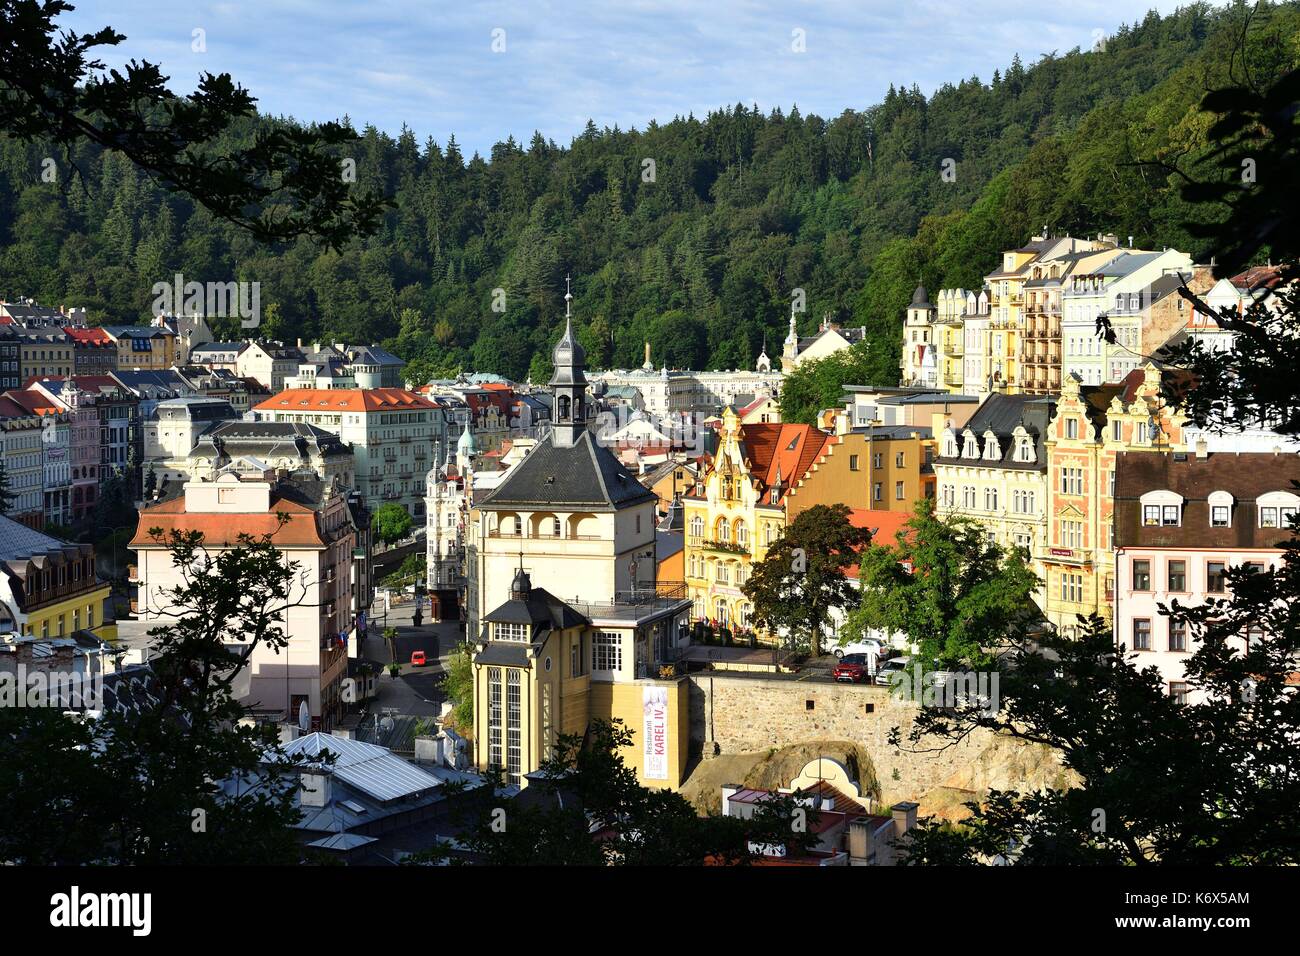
[802, 578]
[818, 384]
[143, 785]
[458, 685]
[287, 183]
[391, 522]
[955, 594]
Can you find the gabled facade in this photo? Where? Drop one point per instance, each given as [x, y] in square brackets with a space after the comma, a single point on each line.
[737, 510]
[1092, 425]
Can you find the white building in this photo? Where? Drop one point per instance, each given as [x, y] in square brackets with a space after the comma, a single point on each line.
[319, 536]
[391, 431]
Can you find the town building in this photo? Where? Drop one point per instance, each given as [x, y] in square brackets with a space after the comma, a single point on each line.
[845, 831]
[568, 619]
[56, 454]
[44, 351]
[142, 347]
[50, 587]
[218, 355]
[877, 467]
[994, 470]
[290, 448]
[670, 392]
[1092, 425]
[93, 351]
[390, 431]
[1092, 292]
[20, 450]
[190, 331]
[1180, 521]
[268, 362]
[737, 510]
[11, 357]
[172, 430]
[312, 526]
[827, 340]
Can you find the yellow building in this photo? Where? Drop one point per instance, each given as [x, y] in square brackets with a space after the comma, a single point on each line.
[568, 618]
[48, 587]
[737, 510]
[876, 468]
[1007, 336]
[994, 470]
[1091, 426]
[143, 347]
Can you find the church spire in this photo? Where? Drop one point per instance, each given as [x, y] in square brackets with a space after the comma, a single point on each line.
[569, 416]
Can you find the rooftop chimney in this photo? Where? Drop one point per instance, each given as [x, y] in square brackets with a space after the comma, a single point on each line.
[316, 787]
[904, 815]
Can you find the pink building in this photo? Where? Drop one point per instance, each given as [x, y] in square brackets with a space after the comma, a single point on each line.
[1180, 520]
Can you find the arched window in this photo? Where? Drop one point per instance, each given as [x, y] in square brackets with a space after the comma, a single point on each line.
[722, 531]
[697, 527]
[742, 534]
[563, 404]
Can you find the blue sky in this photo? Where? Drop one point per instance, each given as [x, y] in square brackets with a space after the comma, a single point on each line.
[432, 66]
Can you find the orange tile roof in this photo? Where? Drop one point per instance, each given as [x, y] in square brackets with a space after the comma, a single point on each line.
[785, 450]
[301, 530]
[343, 400]
[887, 524]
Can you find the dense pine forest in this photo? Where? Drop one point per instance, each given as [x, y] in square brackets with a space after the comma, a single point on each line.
[700, 250]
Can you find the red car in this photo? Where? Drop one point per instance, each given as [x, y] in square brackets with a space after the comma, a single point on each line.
[852, 669]
[418, 659]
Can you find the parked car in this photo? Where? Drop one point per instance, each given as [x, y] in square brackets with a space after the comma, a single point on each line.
[860, 647]
[852, 669]
[418, 659]
[889, 668]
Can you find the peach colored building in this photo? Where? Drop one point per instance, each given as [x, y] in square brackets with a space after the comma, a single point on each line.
[1093, 423]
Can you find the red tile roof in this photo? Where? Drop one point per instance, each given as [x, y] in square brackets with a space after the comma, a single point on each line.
[88, 336]
[343, 400]
[784, 450]
[37, 403]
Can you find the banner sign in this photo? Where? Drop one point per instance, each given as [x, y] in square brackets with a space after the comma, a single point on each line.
[654, 733]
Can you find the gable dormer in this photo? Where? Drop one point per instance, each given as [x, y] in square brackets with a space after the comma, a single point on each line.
[1024, 452]
[992, 447]
[970, 445]
[950, 443]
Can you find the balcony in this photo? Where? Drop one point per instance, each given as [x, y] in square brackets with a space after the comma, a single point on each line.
[730, 547]
[637, 604]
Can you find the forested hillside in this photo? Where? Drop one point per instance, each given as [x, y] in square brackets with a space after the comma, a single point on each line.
[743, 208]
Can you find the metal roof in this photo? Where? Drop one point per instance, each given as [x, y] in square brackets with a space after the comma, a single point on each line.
[373, 770]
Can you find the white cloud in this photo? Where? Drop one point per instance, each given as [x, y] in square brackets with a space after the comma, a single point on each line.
[432, 66]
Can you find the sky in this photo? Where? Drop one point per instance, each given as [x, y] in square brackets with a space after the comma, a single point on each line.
[484, 70]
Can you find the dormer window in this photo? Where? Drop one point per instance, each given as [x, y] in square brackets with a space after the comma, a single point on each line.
[510, 632]
[1278, 509]
[950, 446]
[1220, 509]
[1162, 509]
[1024, 449]
[971, 449]
[992, 450]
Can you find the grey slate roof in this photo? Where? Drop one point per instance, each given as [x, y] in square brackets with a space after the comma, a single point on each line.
[1002, 414]
[586, 476]
[503, 654]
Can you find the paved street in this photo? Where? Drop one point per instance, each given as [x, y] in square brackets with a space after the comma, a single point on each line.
[416, 691]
